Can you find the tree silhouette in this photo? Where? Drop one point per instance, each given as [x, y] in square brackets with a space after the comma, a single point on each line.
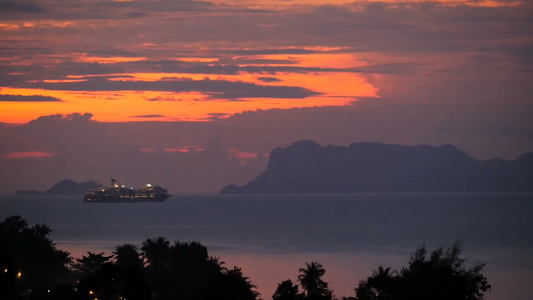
[34, 269]
[189, 270]
[286, 290]
[216, 265]
[127, 257]
[102, 284]
[132, 279]
[185, 271]
[29, 260]
[90, 264]
[156, 252]
[232, 285]
[379, 286]
[311, 280]
[103, 279]
[441, 276]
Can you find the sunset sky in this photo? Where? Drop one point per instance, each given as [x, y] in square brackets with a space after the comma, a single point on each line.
[195, 94]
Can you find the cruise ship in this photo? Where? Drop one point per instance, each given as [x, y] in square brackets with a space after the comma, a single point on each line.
[117, 192]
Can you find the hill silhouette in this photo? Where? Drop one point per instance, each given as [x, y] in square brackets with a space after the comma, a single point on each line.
[306, 167]
[64, 187]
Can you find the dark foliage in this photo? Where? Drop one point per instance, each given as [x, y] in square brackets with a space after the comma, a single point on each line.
[89, 264]
[122, 279]
[132, 276]
[311, 280]
[230, 285]
[30, 264]
[185, 271]
[127, 257]
[32, 268]
[287, 291]
[441, 276]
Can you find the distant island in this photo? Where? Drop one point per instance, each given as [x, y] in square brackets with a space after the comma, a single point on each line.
[64, 187]
[306, 167]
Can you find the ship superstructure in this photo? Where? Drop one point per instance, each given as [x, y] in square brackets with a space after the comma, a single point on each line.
[117, 192]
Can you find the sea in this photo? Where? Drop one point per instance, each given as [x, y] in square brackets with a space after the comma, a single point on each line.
[270, 237]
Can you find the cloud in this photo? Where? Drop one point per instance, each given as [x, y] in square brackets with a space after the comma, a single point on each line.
[217, 116]
[267, 51]
[483, 130]
[148, 116]
[444, 73]
[84, 149]
[391, 68]
[20, 7]
[75, 118]
[122, 10]
[269, 79]
[32, 98]
[167, 98]
[217, 89]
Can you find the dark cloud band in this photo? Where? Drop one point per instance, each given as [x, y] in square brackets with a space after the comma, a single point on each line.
[219, 89]
[148, 116]
[32, 98]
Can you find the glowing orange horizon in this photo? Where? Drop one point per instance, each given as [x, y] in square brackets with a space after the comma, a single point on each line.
[333, 88]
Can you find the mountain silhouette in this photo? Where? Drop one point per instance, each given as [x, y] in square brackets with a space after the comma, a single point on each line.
[64, 187]
[306, 167]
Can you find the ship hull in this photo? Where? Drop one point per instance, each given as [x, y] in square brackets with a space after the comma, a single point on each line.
[120, 193]
[105, 199]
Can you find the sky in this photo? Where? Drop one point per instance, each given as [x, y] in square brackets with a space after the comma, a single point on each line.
[194, 95]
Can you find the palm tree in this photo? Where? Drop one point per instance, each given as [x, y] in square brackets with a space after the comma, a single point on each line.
[127, 257]
[190, 253]
[131, 279]
[29, 260]
[311, 280]
[156, 252]
[381, 282]
[216, 264]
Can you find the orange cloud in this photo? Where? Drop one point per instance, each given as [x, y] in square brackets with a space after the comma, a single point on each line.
[198, 59]
[84, 57]
[326, 88]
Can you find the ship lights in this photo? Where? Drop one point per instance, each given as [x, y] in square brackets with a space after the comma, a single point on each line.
[121, 193]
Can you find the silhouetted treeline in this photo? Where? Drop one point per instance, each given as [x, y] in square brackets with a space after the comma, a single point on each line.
[440, 276]
[35, 269]
[30, 264]
[32, 268]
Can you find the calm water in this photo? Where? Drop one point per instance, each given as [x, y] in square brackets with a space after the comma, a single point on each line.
[271, 237]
